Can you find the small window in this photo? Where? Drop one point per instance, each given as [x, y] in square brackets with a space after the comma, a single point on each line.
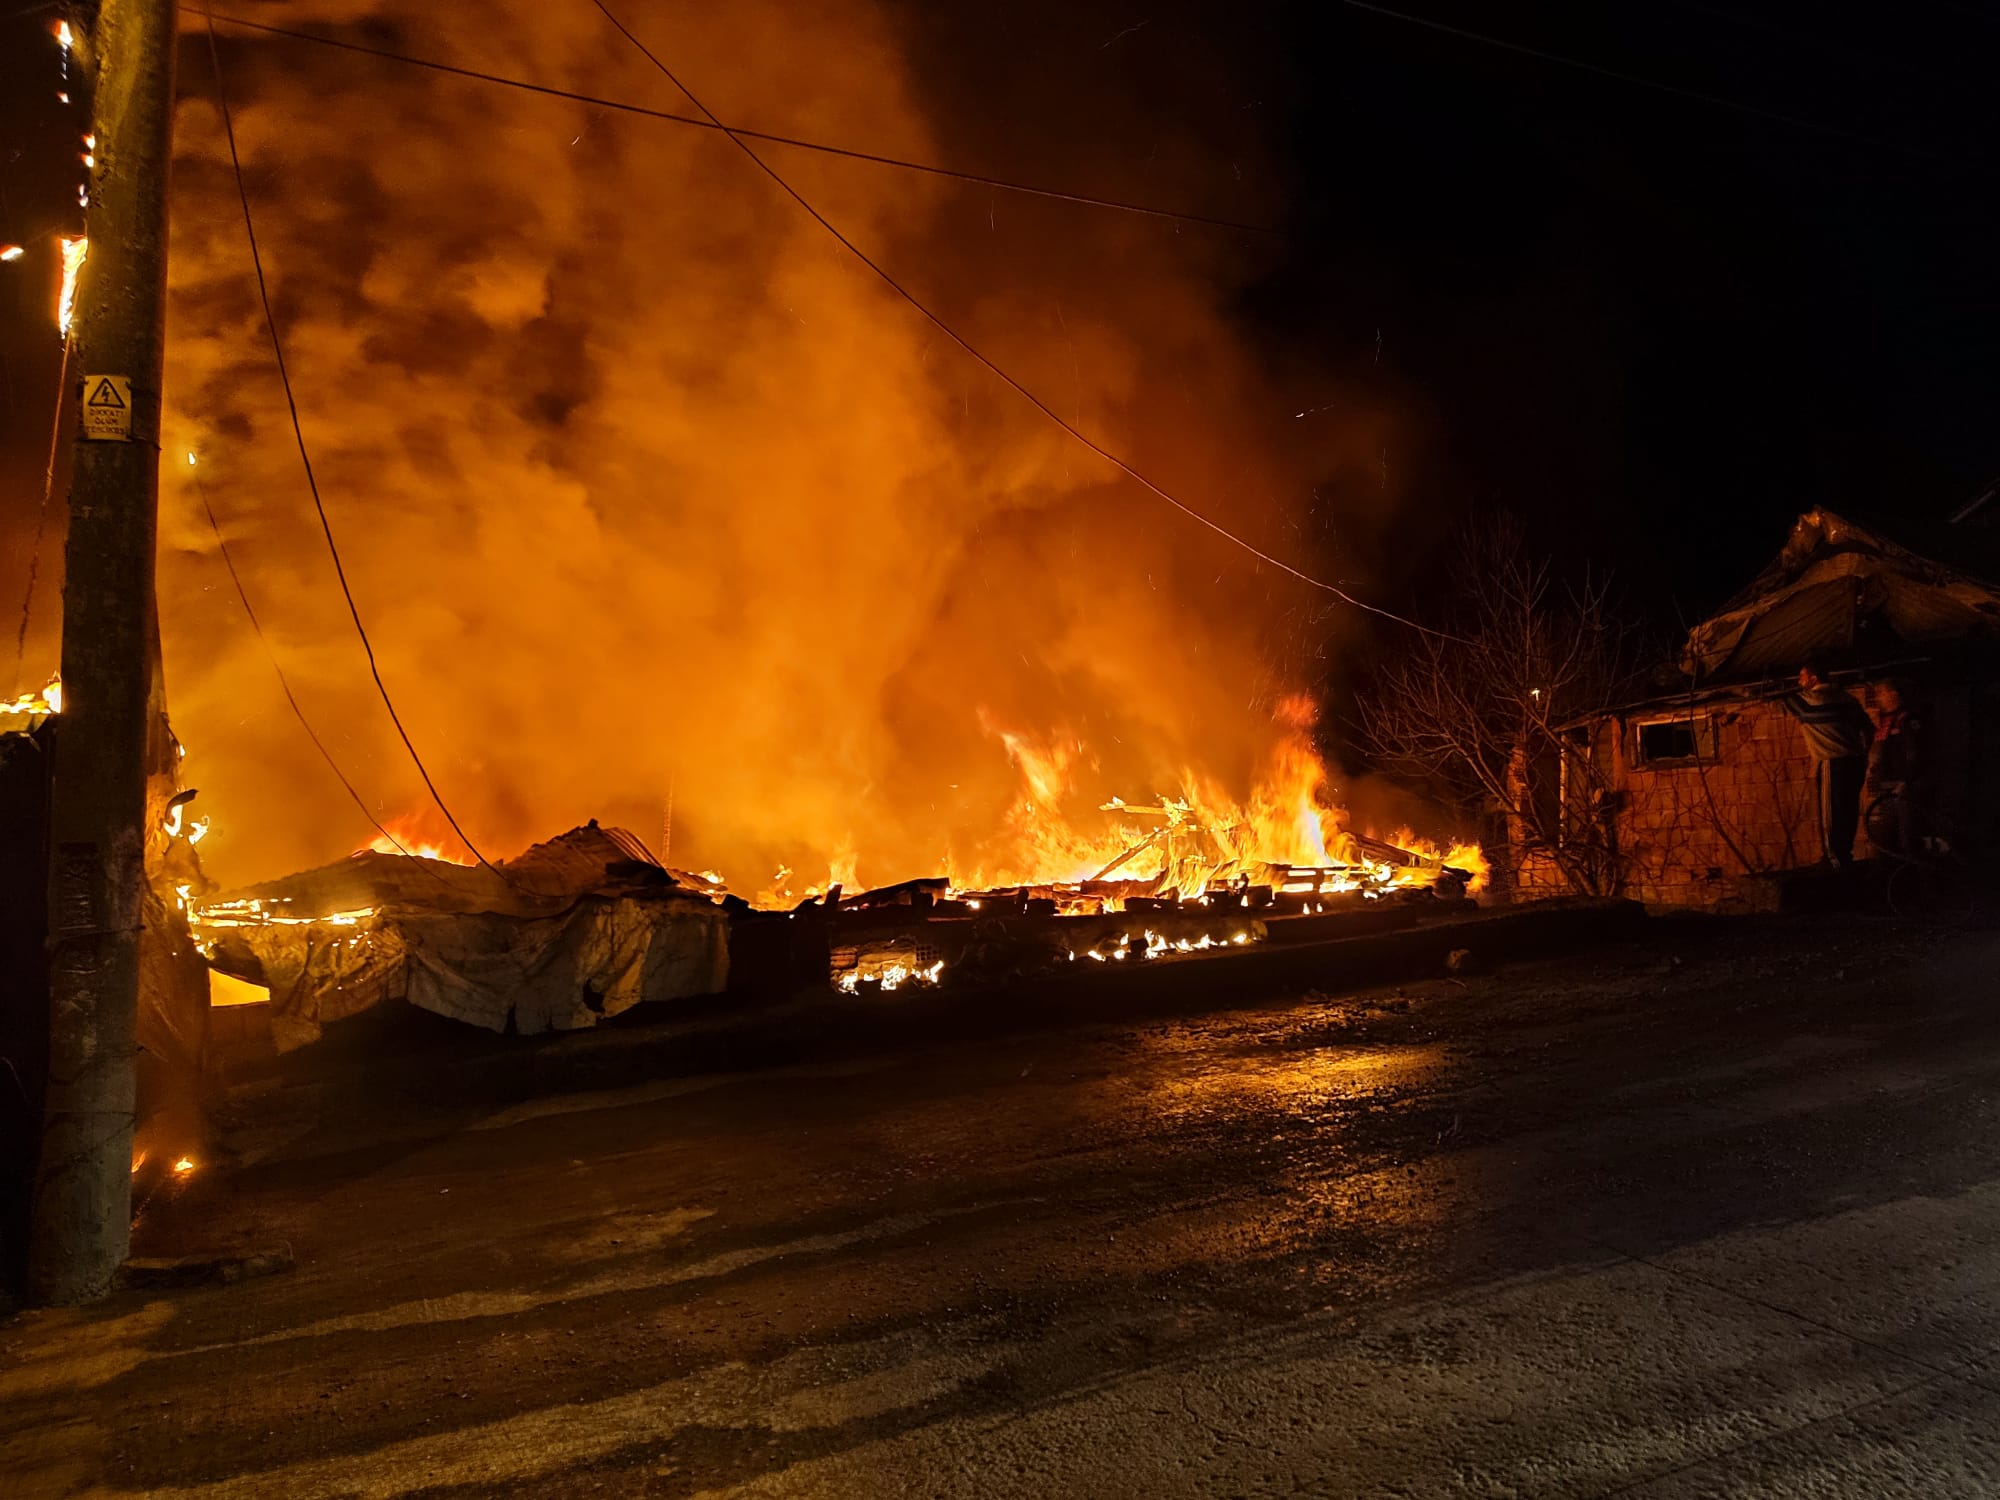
[1676, 742]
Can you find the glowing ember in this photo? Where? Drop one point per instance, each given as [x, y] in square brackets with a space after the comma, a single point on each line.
[891, 976]
[11, 252]
[74, 249]
[184, 1166]
[256, 912]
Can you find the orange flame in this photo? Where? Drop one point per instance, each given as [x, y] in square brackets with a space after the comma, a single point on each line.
[1465, 856]
[74, 249]
[48, 701]
[416, 838]
[1199, 832]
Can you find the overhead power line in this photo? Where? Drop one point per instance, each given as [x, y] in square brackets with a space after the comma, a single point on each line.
[712, 124]
[283, 682]
[1021, 390]
[305, 457]
[1814, 39]
[1638, 80]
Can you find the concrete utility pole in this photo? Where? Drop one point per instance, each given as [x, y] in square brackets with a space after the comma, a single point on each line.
[83, 1192]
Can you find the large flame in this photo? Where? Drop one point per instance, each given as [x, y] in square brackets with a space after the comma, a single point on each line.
[1193, 833]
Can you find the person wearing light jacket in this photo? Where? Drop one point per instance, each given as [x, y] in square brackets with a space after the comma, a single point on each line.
[1839, 733]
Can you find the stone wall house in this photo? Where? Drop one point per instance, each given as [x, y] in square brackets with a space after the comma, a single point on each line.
[1704, 791]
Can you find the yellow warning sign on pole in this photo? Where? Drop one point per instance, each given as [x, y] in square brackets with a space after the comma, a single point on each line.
[107, 408]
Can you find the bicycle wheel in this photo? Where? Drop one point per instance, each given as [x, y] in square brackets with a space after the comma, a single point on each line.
[1885, 822]
[1934, 892]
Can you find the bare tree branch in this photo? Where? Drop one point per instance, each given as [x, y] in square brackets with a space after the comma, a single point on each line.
[1499, 713]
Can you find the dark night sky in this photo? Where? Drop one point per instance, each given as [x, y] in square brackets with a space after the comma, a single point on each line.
[1654, 326]
[1657, 327]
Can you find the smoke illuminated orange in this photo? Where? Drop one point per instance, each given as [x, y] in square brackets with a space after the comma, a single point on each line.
[660, 510]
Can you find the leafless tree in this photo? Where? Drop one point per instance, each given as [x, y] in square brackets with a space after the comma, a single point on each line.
[1498, 702]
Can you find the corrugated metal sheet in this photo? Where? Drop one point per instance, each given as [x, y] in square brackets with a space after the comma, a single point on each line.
[1793, 627]
[1833, 586]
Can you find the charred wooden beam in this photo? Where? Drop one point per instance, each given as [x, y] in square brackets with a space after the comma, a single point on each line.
[1131, 854]
[922, 892]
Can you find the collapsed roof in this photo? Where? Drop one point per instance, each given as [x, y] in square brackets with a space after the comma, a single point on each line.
[572, 930]
[1842, 587]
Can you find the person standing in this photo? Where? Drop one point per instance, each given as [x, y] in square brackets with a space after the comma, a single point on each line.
[1894, 770]
[1838, 732]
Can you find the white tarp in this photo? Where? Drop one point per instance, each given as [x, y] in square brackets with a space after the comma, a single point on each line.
[577, 929]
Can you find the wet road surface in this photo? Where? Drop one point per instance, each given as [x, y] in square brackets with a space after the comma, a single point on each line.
[1709, 1214]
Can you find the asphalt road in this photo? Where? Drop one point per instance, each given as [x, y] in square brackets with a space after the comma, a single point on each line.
[1706, 1215]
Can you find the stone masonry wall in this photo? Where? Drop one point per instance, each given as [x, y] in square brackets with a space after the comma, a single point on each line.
[1687, 832]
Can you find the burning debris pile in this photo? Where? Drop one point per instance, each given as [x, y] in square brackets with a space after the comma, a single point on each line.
[920, 931]
[589, 924]
[1186, 875]
[1198, 845]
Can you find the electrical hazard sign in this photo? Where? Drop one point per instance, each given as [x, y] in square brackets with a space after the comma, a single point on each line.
[107, 408]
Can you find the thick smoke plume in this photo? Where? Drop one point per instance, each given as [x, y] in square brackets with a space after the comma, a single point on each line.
[647, 490]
